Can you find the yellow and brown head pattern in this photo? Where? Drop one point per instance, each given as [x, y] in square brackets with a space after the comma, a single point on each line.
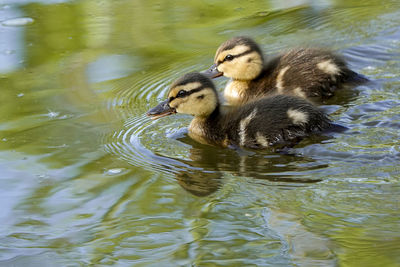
[239, 58]
[192, 94]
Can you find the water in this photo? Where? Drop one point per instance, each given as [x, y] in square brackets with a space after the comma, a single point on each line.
[88, 180]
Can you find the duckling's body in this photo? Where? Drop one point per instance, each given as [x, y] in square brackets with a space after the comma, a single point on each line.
[260, 124]
[313, 74]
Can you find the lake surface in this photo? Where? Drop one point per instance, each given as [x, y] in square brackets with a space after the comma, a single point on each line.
[86, 179]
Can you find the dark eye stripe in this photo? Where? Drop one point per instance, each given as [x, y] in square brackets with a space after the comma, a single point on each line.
[235, 56]
[187, 93]
[195, 90]
[182, 93]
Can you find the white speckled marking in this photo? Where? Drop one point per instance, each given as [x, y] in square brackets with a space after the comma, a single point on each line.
[243, 125]
[299, 92]
[279, 79]
[297, 116]
[261, 140]
[329, 67]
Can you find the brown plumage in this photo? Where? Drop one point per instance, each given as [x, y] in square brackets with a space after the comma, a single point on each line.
[263, 123]
[310, 73]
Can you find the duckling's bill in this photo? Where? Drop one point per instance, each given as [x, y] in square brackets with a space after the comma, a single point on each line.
[212, 72]
[161, 110]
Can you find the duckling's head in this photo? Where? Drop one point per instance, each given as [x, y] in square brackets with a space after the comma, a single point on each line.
[239, 58]
[192, 94]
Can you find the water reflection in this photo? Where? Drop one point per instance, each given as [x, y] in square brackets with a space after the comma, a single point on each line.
[11, 43]
[87, 179]
[208, 168]
[199, 168]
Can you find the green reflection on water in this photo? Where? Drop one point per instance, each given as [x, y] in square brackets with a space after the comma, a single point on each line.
[88, 71]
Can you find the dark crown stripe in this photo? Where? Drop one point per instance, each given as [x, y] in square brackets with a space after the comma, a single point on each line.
[195, 90]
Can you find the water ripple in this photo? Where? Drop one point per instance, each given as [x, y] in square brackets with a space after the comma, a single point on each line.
[163, 145]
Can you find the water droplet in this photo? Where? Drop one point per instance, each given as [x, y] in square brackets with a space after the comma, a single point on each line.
[66, 116]
[60, 146]
[17, 22]
[114, 171]
[43, 176]
[52, 114]
[20, 95]
[9, 52]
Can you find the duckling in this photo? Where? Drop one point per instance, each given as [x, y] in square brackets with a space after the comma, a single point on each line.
[264, 123]
[310, 73]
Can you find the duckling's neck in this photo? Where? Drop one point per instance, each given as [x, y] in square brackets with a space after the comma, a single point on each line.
[236, 92]
[208, 130]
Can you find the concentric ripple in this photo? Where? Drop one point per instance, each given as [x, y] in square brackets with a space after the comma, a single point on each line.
[135, 141]
[163, 145]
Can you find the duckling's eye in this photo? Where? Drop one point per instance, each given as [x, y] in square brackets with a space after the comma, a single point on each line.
[228, 57]
[181, 93]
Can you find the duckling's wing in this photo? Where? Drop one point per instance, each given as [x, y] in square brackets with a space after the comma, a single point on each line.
[275, 121]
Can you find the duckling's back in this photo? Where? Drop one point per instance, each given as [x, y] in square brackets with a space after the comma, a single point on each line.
[275, 120]
[304, 72]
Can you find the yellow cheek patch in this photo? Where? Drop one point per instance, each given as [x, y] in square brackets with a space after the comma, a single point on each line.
[201, 103]
[244, 67]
